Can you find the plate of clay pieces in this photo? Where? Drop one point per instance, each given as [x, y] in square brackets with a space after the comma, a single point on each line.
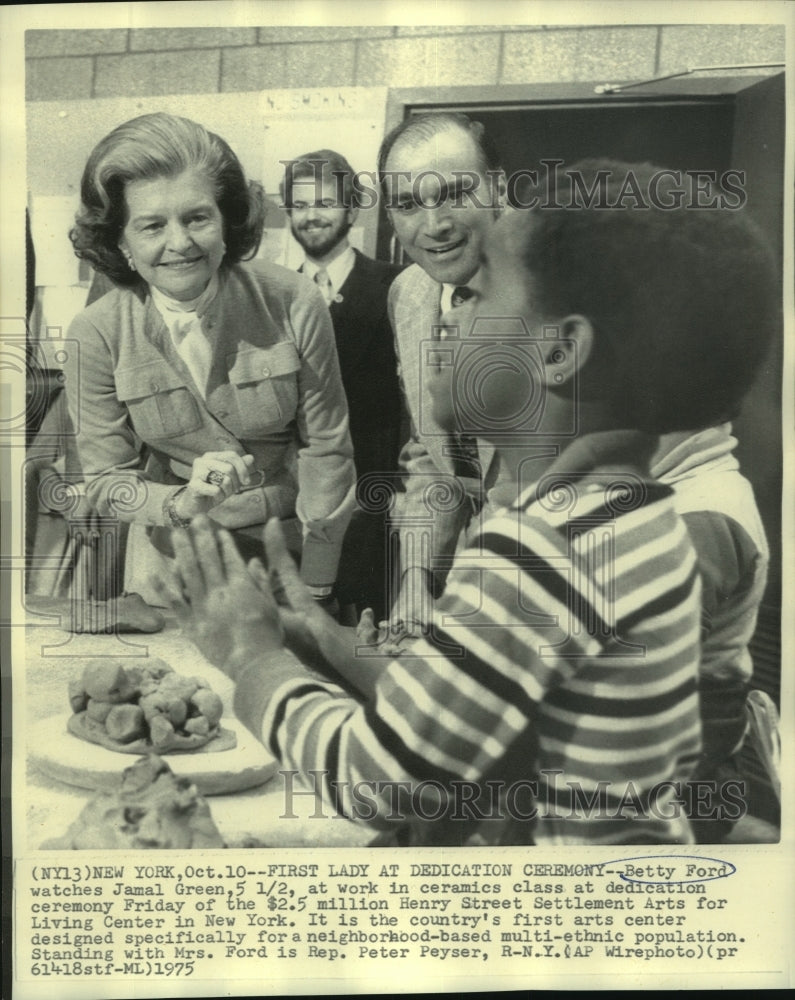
[118, 710]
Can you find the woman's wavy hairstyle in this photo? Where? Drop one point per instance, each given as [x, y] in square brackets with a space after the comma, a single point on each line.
[152, 146]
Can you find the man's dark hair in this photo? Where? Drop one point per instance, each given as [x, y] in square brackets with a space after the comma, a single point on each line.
[683, 300]
[322, 165]
[419, 128]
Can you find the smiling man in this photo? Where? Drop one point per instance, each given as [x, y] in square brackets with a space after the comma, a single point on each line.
[444, 189]
[321, 201]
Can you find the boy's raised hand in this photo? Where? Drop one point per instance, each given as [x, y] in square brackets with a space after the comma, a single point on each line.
[314, 636]
[308, 628]
[222, 610]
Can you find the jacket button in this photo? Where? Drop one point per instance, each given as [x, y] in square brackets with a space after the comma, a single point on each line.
[155, 386]
[266, 371]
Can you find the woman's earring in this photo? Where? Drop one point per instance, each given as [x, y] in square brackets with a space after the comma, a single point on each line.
[130, 262]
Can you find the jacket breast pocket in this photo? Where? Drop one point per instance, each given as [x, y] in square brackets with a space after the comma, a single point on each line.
[159, 402]
[265, 385]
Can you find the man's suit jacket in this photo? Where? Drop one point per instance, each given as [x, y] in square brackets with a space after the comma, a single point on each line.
[366, 351]
[429, 476]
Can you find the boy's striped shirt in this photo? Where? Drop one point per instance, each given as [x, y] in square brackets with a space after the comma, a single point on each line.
[564, 653]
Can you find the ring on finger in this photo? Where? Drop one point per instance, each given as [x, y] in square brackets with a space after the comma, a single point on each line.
[217, 478]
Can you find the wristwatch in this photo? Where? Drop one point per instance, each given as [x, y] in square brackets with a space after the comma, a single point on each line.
[170, 510]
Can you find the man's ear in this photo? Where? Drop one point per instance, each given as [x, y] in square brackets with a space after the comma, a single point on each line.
[353, 211]
[566, 354]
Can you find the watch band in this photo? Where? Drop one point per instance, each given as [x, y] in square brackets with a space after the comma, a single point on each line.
[170, 510]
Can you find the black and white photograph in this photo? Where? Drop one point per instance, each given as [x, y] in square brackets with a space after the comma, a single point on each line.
[397, 491]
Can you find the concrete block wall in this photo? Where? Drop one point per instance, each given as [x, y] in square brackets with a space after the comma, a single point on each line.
[78, 64]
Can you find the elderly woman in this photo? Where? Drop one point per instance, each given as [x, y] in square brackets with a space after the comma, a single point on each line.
[203, 384]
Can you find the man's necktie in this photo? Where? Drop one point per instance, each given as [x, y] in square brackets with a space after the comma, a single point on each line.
[460, 295]
[323, 282]
[464, 447]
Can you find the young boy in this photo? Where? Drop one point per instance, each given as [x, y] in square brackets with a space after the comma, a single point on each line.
[555, 698]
